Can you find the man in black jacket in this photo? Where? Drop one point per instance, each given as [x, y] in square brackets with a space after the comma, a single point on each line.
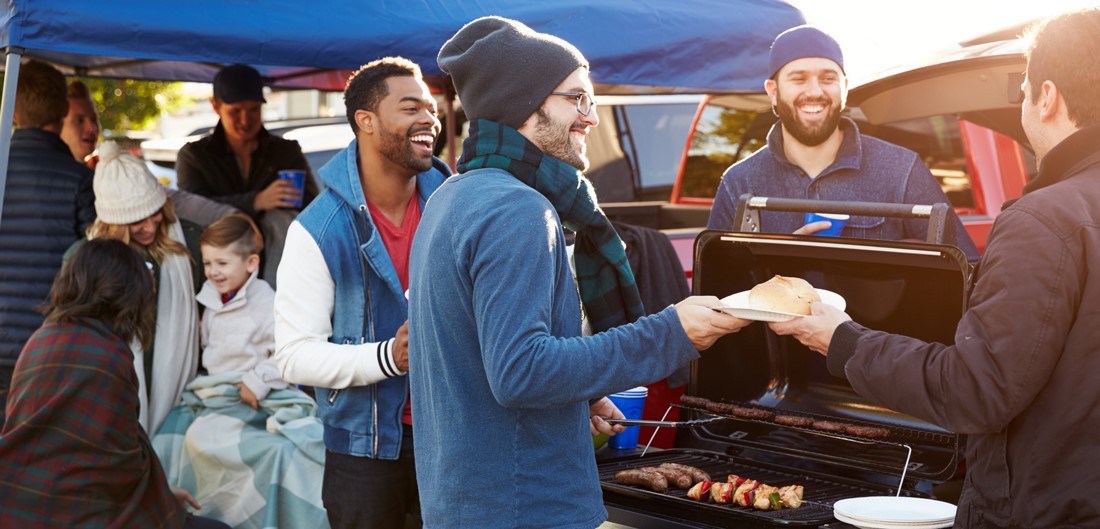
[48, 202]
[1020, 378]
[239, 163]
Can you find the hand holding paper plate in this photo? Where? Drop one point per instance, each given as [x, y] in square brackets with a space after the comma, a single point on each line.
[779, 299]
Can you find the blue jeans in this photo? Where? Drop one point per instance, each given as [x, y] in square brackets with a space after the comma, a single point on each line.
[360, 492]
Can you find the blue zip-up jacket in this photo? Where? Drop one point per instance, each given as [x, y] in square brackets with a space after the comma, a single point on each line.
[339, 309]
[866, 169]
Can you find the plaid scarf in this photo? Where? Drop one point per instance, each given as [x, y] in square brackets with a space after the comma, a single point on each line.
[606, 282]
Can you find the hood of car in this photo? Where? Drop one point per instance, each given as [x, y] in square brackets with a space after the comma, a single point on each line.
[979, 83]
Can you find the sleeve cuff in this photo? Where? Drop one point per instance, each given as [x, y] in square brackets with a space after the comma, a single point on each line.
[843, 347]
[385, 359]
[256, 384]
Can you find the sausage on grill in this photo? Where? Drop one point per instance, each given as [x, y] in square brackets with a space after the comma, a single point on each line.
[870, 432]
[694, 402]
[697, 474]
[756, 414]
[651, 480]
[829, 426]
[794, 420]
[676, 478]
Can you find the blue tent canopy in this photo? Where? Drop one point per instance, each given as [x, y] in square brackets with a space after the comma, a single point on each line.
[633, 46]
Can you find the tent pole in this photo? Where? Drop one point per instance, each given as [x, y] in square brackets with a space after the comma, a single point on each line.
[7, 114]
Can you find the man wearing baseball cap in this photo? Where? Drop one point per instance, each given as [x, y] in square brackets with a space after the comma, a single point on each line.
[507, 385]
[239, 162]
[815, 153]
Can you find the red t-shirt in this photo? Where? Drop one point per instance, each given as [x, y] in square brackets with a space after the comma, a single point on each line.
[398, 241]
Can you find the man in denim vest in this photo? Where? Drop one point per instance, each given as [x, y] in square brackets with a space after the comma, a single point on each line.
[340, 309]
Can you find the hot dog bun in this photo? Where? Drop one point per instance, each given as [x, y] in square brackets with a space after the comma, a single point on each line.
[784, 294]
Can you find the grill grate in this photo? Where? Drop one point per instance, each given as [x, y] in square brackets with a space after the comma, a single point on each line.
[817, 508]
[899, 435]
[934, 455]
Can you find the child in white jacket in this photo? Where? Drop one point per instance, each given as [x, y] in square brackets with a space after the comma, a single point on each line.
[238, 326]
[259, 461]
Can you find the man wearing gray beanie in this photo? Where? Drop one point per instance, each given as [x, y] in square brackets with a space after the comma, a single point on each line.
[508, 379]
[815, 153]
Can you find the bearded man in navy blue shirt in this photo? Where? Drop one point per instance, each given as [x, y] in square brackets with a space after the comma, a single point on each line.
[815, 153]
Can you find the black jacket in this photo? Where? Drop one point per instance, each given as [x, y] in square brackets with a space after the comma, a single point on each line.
[208, 167]
[1020, 378]
[48, 202]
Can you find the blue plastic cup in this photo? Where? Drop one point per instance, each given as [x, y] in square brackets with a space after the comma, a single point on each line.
[298, 178]
[837, 220]
[629, 402]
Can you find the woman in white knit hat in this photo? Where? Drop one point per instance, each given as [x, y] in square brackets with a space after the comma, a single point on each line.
[133, 207]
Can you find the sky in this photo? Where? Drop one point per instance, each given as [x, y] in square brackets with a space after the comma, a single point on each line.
[879, 34]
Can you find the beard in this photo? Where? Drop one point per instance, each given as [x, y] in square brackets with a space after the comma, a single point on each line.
[807, 134]
[554, 139]
[398, 148]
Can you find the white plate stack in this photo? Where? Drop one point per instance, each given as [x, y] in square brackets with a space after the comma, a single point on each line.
[890, 512]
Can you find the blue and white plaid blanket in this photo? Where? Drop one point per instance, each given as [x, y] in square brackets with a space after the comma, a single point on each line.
[254, 469]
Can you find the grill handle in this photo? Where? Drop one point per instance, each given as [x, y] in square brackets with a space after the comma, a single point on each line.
[747, 218]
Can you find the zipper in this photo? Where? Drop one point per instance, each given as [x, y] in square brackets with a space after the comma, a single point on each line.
[368, 321]
[332, 394]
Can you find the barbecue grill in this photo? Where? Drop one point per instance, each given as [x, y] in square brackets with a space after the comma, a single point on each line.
[914, 288]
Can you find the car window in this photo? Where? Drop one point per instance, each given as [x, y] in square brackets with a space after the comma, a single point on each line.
[635, 152]
[723, 137]
[938, 142]
[657, 135]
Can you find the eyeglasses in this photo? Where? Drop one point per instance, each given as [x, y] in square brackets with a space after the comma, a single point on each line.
[585, 102]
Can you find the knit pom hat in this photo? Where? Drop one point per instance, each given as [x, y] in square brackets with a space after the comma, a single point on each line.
[125, 190]
[504, 70]
[801, 42]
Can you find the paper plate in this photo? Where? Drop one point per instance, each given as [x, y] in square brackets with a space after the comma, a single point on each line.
[875, 512]
[738, 305]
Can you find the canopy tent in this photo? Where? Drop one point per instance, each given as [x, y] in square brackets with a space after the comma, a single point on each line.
[682, 45]
[634, 46]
